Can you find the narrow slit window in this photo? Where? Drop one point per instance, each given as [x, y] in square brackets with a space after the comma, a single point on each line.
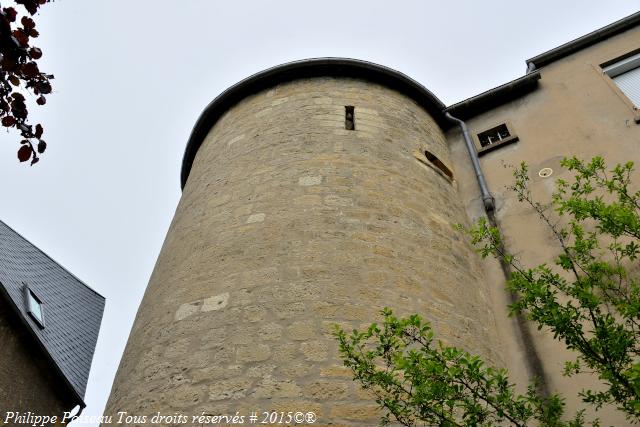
[349, 117]
[438, 164]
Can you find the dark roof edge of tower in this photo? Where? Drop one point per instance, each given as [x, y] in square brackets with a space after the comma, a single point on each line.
[494, 97]
[584, 41]
[316, 67]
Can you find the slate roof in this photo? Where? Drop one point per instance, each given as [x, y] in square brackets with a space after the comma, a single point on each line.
[72, 310]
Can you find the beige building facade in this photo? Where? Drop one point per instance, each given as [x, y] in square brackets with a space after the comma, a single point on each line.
[572, 108]
[317, 192]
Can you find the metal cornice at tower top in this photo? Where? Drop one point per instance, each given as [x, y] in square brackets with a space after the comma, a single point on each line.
[316, 67]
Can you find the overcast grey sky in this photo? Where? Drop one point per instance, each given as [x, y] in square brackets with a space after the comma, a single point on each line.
[131, 77]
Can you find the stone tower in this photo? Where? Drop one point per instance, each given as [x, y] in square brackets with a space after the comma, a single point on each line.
[314, 193]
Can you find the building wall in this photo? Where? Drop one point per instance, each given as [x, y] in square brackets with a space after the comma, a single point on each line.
[575, 111]
[28, 382]
[289, 224]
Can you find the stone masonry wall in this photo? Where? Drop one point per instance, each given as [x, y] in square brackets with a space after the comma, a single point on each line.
[288, 224]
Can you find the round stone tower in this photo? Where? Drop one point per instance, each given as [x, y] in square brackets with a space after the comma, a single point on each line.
[314, 193]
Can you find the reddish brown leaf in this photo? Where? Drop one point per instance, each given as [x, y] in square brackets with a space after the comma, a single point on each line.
[27, 23]
[24, 153]
[44, 87]
[35, 53]
[8, 121]
[19, 110]
[30, 69]
[30, 5]
[7, 63]
[21, 37]
[19, 113]
[11, 13]
[18, 63]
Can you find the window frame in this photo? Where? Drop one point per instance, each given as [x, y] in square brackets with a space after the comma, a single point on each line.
[31, 296]
[506, 141]
[619, 65]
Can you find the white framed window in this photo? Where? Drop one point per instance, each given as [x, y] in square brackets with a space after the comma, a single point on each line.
[495, 137]
[35, 308]
[625, 73]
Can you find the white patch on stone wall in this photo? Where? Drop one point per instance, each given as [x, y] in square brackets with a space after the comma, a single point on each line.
[263, 112]
[259, 217]
[280, 101]
[309, 180]
[234, 140]
[333, 200]
[215, 302]
[440, 219]
[187, 309]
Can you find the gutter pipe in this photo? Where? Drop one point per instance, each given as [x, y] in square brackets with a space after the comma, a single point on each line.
[534, 363]
[487, 198]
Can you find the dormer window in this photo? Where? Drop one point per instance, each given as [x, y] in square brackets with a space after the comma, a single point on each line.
[35, 307]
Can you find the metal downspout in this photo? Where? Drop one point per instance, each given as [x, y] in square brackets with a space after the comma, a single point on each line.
[534, 364]
[487, 198]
